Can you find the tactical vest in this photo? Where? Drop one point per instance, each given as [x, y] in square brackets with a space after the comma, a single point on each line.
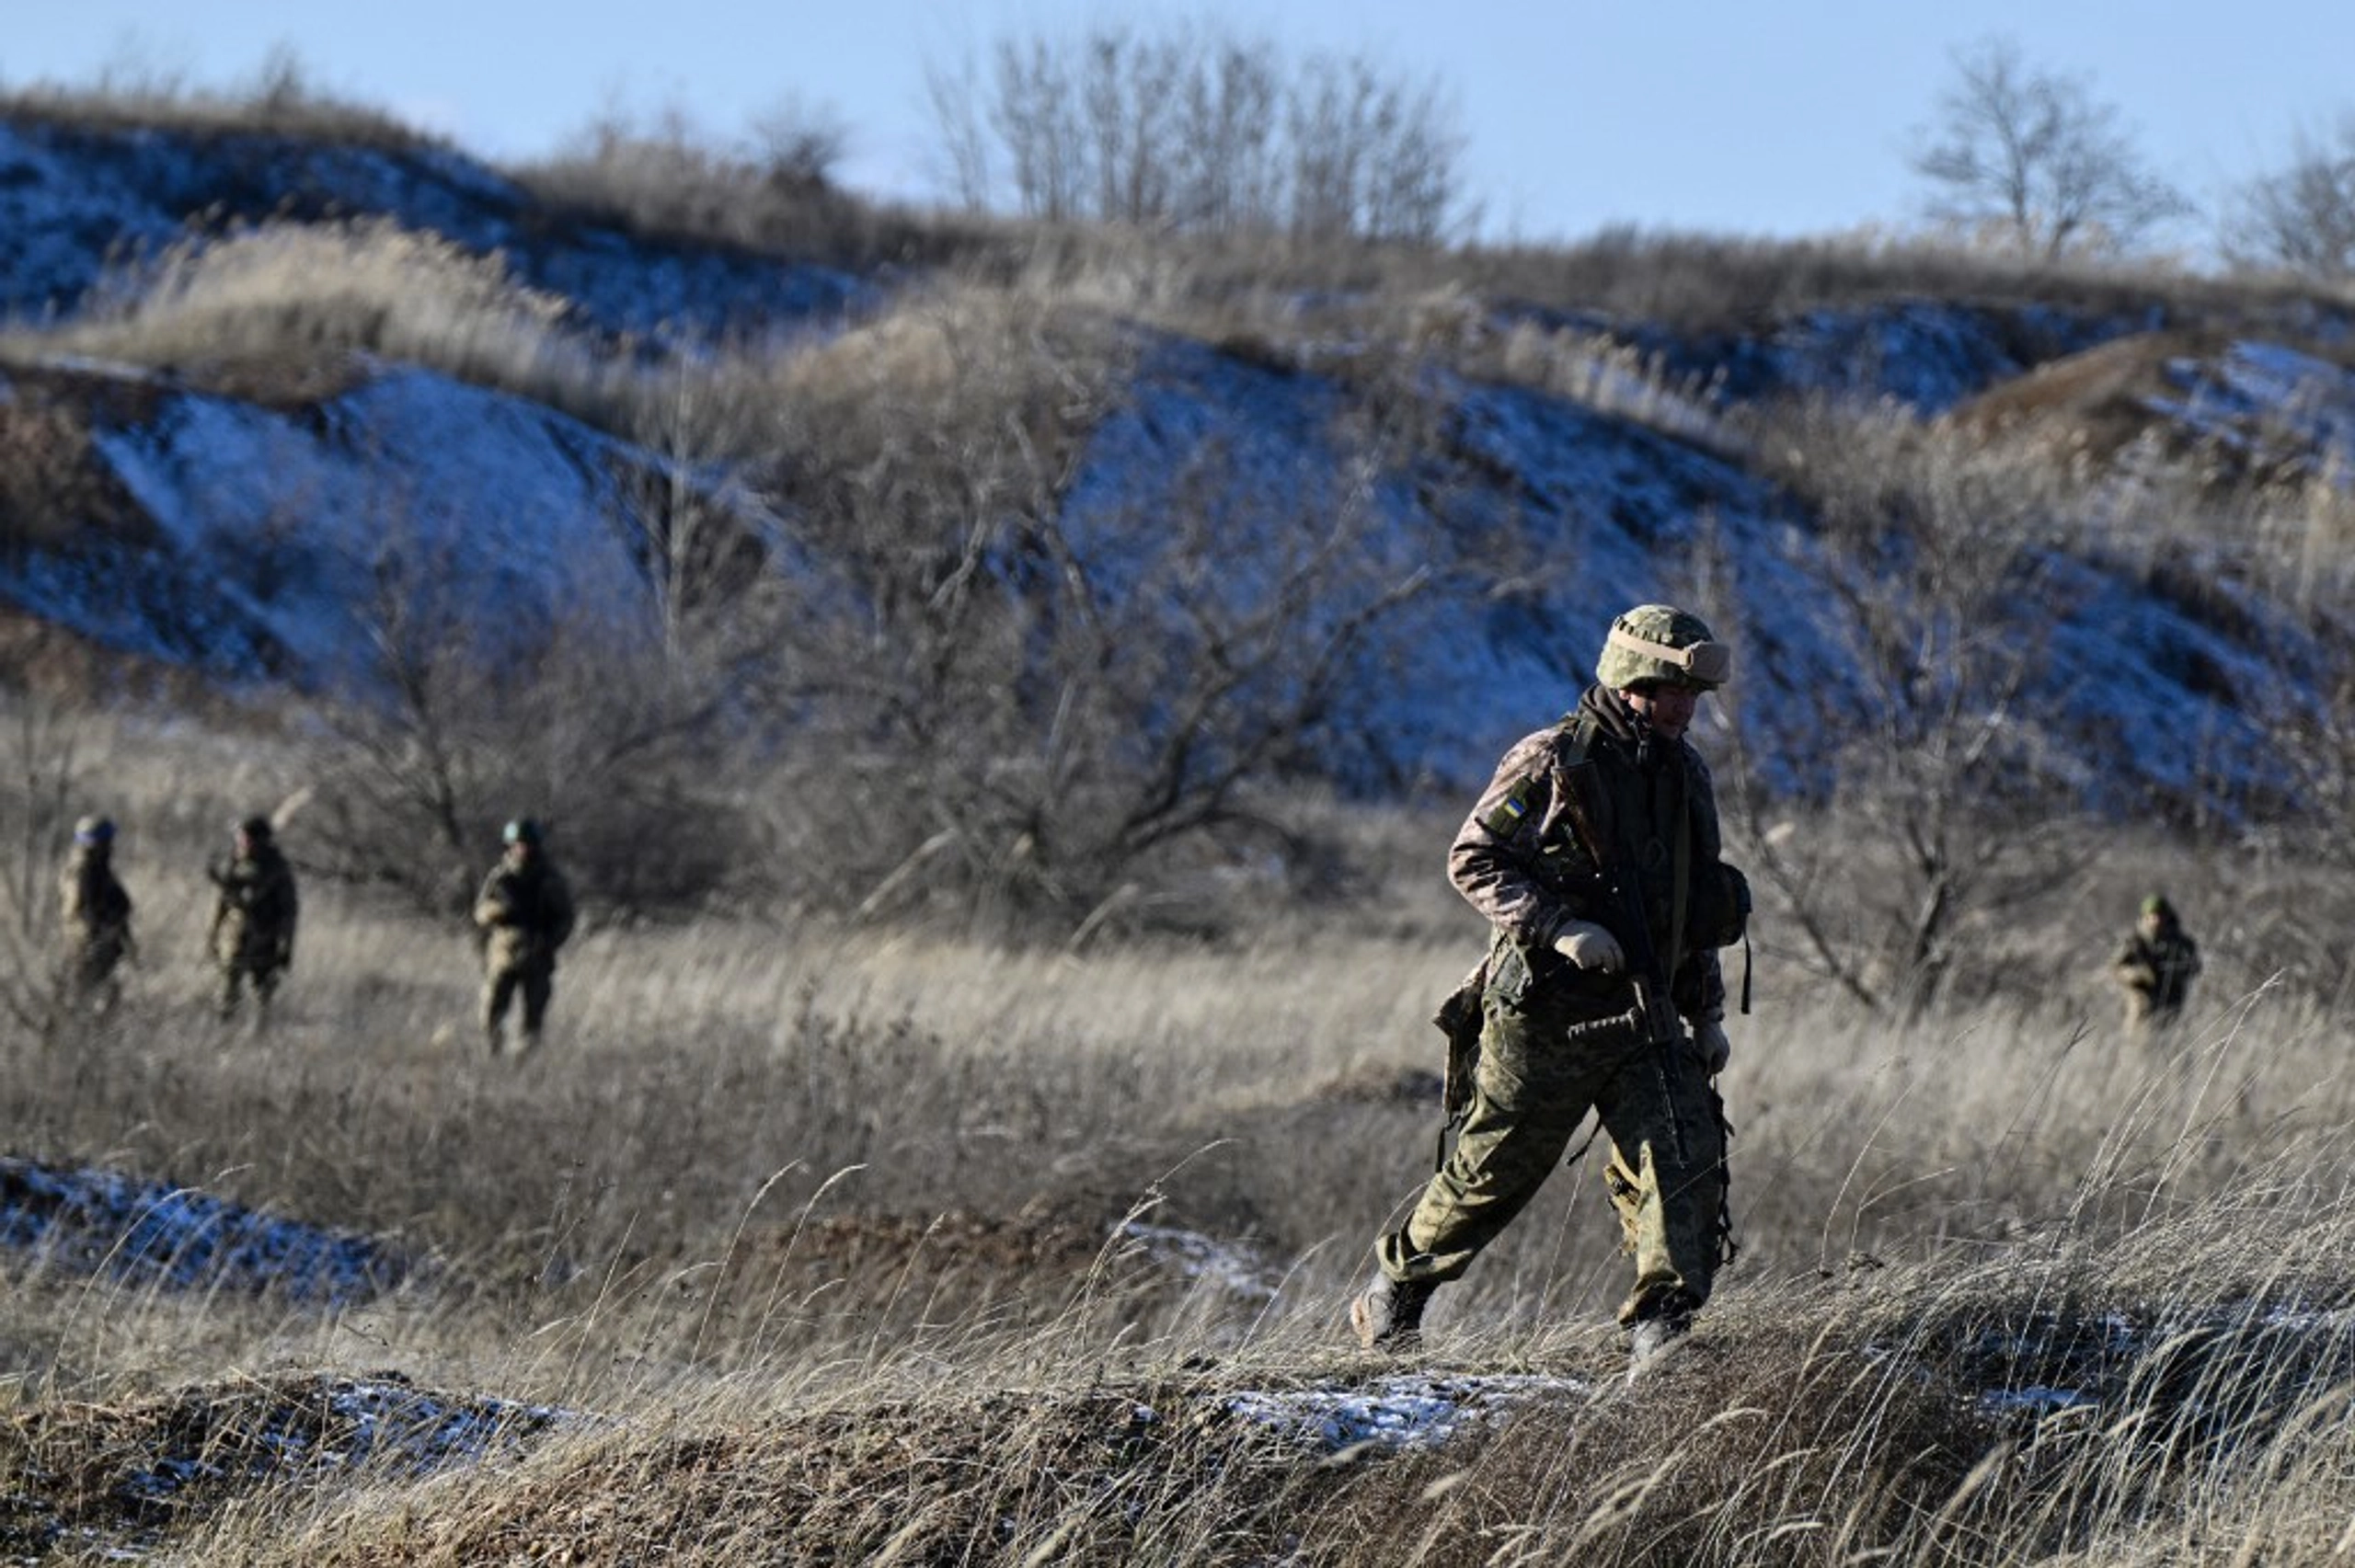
[1626, 822]
[1641, 823]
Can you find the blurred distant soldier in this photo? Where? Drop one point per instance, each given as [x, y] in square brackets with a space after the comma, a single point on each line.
[1595, 855]
[96, 916]
[254, 911]
[2156, 966]
[525, 913]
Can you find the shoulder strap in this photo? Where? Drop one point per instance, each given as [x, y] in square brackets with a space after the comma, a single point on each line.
[1681, 873]
[1582, 796]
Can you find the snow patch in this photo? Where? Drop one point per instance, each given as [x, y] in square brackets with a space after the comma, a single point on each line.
[1404, 1412]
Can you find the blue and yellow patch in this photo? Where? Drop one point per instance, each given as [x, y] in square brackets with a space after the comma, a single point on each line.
[1505, 818]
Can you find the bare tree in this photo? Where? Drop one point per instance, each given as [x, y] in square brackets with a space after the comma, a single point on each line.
[1130, 91]
[955, 96]
[1034, 114]
[2301, 216]
[1034, 707]
[2032, 160]
[606, 717]
[1226, 178]
[1929, 804]
[1193, 130]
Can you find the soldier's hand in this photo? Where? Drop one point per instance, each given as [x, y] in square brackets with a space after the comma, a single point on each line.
[1709, 1043]
[1590, 946]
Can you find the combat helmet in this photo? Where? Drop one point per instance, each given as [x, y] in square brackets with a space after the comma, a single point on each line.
[520, 830]
[256, 828]
[94, 830]
[1657, 643]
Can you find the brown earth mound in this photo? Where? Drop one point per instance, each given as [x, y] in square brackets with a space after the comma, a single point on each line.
[2096, 403]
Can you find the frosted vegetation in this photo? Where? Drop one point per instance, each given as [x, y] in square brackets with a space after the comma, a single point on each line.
[1003, 688]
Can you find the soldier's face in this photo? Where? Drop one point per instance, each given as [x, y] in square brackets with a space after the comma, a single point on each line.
[1668, 709]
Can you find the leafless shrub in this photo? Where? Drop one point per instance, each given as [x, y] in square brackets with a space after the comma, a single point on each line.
[1926, 745]
[1054, 692]
[594, 724]
[1192, 132]
[49, 486]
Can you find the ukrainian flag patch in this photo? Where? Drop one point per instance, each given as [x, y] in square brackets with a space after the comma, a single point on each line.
[1505, 817]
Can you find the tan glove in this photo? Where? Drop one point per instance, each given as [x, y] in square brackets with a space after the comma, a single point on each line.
[1590, 946]
[1709, 1043]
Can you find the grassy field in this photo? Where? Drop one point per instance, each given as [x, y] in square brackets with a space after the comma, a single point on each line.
[797, 1244]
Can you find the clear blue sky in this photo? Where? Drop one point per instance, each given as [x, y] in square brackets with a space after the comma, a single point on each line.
[1730, 117]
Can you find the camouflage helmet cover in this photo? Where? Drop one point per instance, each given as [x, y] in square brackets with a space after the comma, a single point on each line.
[94, 830]
[520, 830]
[1657, 643]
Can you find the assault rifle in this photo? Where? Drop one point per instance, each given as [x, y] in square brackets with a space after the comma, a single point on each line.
[1653, 1014]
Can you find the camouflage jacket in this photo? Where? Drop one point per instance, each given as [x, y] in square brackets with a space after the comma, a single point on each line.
[1524, 860]
[92, 906]
[2162, 968]
[255, 908]
[525, 913]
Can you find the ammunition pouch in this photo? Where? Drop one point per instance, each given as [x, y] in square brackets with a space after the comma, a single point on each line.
[1539, 980]
[1459, 1019]
[1717, 911]
[1510, 975]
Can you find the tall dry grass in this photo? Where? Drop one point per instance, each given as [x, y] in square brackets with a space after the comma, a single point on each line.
[855, 1244]
[263, 310]
[635, 1228]
[280, 96]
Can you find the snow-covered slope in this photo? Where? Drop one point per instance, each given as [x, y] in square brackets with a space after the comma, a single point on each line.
[74, 201]
[269, 534]
[282, 542]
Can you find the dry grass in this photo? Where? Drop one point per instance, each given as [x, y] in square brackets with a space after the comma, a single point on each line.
[671, 185]
[275, 313]
[278, 100]
[811, 1239]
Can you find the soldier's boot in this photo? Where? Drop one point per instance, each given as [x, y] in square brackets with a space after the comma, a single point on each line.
[495, 1037]
[529, 1043]
[1651, 1340]
[1388, 1314]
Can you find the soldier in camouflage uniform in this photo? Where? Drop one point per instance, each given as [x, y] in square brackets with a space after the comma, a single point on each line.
[2156, 966]
[255, 908]
[1595, 855]
[525, 913]
[95, 913]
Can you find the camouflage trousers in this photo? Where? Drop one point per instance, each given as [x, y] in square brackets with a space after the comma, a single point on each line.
[236, 973]
[1534, 1086]
[89, 980]
[534, 979]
